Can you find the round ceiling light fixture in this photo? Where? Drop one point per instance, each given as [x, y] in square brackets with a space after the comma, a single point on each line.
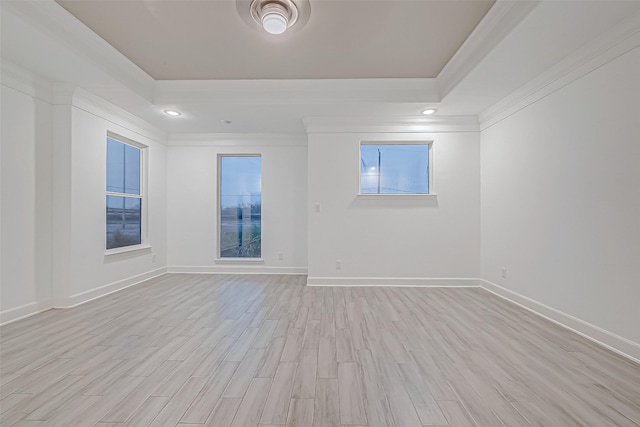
[275, 16]
[173, 113]
[428, 111]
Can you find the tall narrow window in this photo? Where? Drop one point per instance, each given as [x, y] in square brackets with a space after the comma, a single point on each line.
[396, 168]
[124, 194]
[240, 204]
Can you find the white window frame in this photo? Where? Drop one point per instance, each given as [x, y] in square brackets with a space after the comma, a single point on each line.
[231, 260]
[431, 187]
[142, 196]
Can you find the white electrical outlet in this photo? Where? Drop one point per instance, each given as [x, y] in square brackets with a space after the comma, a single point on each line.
[338, 264]
[153, 258]
[317, 206]
[280, 256]
[504, 272]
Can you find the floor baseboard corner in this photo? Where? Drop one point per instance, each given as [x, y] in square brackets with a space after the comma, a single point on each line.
[615, 343]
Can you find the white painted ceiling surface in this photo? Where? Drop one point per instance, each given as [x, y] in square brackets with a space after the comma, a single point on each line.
[514, 43]
[208, 39]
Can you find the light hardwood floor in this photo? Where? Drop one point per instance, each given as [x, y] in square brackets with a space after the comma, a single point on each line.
[249, 350]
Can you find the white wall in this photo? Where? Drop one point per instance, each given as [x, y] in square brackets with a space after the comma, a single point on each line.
[53, 197]
[393, 237]
[91, 272]
[192, 202]
[26, 209]
[561, 199]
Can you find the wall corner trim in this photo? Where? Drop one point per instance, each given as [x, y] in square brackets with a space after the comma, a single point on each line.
[619, 345]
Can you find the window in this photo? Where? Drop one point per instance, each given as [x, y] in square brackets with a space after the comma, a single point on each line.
[394, 168]
[124, 193]
[240, 206]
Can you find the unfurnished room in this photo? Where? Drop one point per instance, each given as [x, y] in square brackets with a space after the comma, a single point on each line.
[320, 213]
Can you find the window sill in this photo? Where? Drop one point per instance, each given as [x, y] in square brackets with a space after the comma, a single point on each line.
[238, 260]
[398, 196]
[127, 249]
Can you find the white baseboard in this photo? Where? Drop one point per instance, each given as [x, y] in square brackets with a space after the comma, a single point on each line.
[392, 281]
[86, 296]
[235, 269]
[611, 341]
[17, 313]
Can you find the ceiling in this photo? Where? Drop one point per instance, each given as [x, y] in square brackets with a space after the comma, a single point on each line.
[342, 39]
[516, 48]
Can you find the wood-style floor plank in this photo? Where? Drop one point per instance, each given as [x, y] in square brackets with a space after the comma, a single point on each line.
[204, 403]
[223, 413]
[277, 404]
[265, 350]
[250, 408]
[300, 413]
[351, 390]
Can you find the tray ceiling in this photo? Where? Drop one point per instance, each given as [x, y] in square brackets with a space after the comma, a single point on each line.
[202, 40]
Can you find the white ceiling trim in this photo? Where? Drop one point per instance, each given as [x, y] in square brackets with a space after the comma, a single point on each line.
[25, 81]
[73, 96]
[503, 16]
[52, 18]
[236, 140]
[399, 125]
[302, 91]
[95, 105]
[593, 55]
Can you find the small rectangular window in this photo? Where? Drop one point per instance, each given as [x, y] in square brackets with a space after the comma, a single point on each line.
[394, 168]
[240, 206]
[124, 194]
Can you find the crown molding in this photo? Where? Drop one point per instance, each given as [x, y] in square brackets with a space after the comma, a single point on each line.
[57, 23]
[236, 140]
[503, 16]
[97, 106]
[397, 125]
[25, 81]
[611, 45]
[63, 93]
[296, 91]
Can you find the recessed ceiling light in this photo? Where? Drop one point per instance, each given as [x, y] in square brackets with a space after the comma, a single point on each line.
[172, 113]
[275, 16]
[428, 111]
[225, 122]
[274, 23]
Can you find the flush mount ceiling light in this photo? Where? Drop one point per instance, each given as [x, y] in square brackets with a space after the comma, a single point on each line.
[275, 16]
[173, 113]
[428, 111]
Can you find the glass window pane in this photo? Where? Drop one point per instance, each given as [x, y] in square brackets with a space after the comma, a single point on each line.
[123, 221]
[240, 206]
[394, 169]
[123, 168]
[369, 169]
[115, 166]
[131, 170]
